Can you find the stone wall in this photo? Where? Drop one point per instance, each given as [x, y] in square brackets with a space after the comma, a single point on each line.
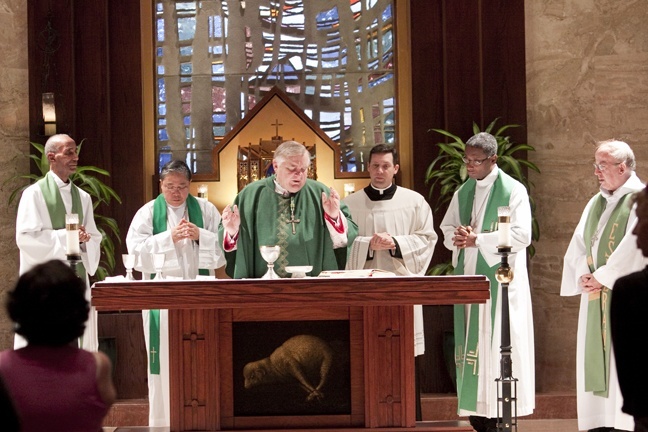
[14, 140]
[587, 80]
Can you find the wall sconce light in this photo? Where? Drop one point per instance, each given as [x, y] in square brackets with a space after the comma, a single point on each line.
[49, 114]
[203, 191]
[242, 3]
[349, 188]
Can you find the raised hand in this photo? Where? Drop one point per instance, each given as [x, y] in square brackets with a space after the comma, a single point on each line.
[231, 219]
[331, 203]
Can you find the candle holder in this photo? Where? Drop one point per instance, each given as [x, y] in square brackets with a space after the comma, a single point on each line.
[506, 384]
[74, 261]
[73, 249]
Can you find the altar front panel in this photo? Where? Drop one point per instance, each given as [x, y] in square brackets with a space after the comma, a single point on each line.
[380, 341]
[206, 373]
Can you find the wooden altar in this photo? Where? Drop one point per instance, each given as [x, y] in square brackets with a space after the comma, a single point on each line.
[202, 314]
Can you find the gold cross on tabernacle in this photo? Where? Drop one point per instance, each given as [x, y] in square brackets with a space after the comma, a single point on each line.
[292, 220]
[153, 352]
[276, 124]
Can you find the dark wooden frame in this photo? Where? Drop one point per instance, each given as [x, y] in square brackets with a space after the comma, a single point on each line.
[353, 315]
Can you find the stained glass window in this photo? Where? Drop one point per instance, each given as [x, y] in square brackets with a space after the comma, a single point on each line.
[216, 59]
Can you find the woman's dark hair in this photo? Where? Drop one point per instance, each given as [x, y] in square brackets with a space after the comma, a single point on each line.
[48, 304]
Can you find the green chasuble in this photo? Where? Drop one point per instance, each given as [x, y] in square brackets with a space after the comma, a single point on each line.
[265, 220]
[597, 333]
[467, 338]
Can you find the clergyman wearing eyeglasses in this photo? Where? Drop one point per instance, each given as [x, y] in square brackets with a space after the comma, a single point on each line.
[602, 249]
[185, 229]
[470, 231]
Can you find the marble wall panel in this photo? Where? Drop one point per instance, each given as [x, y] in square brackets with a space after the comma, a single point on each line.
[14, 140]
[587, 80]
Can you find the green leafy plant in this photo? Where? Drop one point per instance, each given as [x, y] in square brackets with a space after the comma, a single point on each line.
[447, 172]
[85, 178]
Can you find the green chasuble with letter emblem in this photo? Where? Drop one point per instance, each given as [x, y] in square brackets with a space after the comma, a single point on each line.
[268, 219]
[597, 339]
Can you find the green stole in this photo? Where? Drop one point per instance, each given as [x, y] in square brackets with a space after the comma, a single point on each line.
[160, 225]
[56, 208]
[467, 339]
[597, 333]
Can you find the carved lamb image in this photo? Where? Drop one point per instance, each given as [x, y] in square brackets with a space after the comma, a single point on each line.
[305, 358]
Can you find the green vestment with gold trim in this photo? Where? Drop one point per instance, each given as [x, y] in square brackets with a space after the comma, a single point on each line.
[265, 217]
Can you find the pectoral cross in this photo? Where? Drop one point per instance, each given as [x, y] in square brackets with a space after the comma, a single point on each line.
[292, 220]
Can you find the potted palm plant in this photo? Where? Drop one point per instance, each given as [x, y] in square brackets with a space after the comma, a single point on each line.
[86, 179]
[447, 172]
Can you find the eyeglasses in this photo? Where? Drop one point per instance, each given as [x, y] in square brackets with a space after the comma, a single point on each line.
[602, 167]
[475, 162]
[175, 188]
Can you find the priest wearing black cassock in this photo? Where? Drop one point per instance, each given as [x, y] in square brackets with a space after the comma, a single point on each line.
[395, 226]
[395, 229]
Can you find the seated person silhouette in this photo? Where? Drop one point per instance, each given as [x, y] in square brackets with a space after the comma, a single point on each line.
[54, 385]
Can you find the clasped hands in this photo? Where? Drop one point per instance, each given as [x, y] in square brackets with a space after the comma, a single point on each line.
[382, 241]
[185, 230]
[589, 284]
[464, 237]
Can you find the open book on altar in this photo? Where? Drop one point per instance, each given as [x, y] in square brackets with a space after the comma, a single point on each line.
[363, 273]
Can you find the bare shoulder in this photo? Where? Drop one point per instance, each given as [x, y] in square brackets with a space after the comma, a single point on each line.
[103, 361]
[104, 378]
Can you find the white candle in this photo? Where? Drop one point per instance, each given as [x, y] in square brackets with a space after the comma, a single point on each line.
[504, 226]
[72, 234]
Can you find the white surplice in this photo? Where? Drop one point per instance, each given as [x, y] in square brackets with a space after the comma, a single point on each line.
[596, 411]
[38, 242]
[204, 254]
[408, 218]
[520, 310]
